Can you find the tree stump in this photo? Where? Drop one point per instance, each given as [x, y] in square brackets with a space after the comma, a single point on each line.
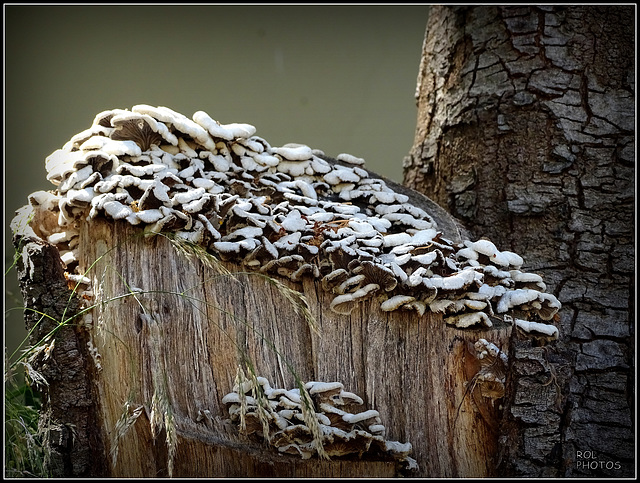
[224, 308]
[166, 335]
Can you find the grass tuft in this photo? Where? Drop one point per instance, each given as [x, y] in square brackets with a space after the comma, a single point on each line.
[24, 452]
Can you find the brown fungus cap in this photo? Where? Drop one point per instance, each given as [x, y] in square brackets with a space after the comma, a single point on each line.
[137, 129]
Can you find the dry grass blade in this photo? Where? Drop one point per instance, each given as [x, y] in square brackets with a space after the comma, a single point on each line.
[33, 375]
[262, 405]
[311, 420]
[192, 251]
[239, 382]
[172, 439]
[471, 385]
[296, 299]
[37, 354]
[128, 417]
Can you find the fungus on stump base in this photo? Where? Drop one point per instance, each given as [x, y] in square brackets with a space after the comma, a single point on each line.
[251, 310]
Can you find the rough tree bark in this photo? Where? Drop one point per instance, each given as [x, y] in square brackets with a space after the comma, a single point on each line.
[68, 418]
[526, 133]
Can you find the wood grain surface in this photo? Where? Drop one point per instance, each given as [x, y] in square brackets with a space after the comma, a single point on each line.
[172, 332]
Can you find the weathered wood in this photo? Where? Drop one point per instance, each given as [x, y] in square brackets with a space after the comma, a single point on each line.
[200, 326]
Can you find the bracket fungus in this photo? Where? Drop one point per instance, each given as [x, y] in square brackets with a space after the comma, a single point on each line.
[321, 420]
[286, 210]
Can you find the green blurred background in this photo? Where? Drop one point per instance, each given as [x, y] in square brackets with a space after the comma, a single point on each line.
[337, 78]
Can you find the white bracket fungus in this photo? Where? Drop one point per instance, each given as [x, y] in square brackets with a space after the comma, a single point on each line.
[286, 210]
[325, 422]
[538, 328]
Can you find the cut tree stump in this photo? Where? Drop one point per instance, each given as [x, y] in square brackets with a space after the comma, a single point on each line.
[167, 334]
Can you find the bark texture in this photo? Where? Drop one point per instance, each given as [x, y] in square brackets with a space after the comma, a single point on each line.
[68, 419]
[526, 133]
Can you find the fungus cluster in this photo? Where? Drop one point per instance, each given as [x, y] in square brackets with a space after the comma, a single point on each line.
[289, 210]
[335, 429]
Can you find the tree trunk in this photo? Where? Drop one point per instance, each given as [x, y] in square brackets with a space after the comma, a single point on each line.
[157, 339]
[526, 133]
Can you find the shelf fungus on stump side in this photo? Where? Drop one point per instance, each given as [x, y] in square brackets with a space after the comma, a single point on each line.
[322, 422]
[289, 210]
